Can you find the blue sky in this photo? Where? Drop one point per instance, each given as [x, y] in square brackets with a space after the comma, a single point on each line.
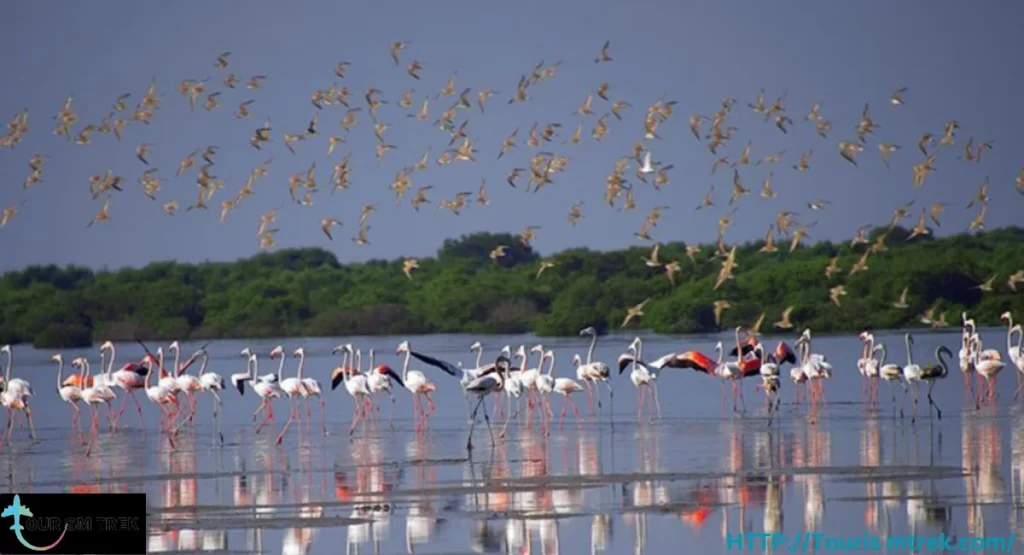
[957, 59]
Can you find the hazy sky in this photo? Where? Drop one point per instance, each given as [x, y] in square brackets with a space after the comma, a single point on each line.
[960, 61]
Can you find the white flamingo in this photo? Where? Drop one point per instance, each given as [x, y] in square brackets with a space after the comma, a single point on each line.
[130, 378]
[564, 387]
[378, 379]
[70, 394]
[212, 383]
[986, 364]
[591, 372]
[266, 387]
[528, 380]
[889, 373]
[93, 396]
[311, 388]
[418, 385]
[642, 375]
[1015, 352]
[355, 383]
[185, 382]
[292, 387]
[14, 397]
[160, 395]
[964, 355]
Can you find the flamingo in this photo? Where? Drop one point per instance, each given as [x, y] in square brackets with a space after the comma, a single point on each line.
[379, 380]
[267, 387]
[213, 383]
[641, 374]
[937, 371]
[130, 378]
[17, 386]
[965, 359]
[311, 388]
[14, 396]
[355, 383]
[911, 372]
[544, 384]
[70, 394]
[564, 387]
[769, 371]
[592, 372]
[292, 387]
[1014, 352]
[870, 367]
[987, 367]
[161, 395]
[484, 385]
[889, 373]
[814, 367]
[93, 396]
[417, 384]
[468, 375]
[183, 382]
[528, 380]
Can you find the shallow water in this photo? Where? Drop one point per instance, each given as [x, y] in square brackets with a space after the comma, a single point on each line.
[610, 485]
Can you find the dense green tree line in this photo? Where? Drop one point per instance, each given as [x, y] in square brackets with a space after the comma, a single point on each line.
[307, 292]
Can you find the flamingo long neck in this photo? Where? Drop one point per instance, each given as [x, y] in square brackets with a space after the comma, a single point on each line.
[206, 359]
[640, 349]
[177, 360]
[739, 348]
[359, 361]
[1009, 334]
[60, 374]
[1020, 339]
[103, 366]
[110, 365]
[10, 363]
[346, 363]
[871, 341]
[720, 353]
[160, 361]
[881, 361]
[405, 366]
[479, 353]
[145, 382]
[369, 367]
[551, 362]
[910, 355]
[942, 361]
[88, 370]
[254, 365]
[302, 359]
[280, 368]
[590, 351]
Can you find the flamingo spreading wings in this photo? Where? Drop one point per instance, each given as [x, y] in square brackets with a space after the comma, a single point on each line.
[447, 367]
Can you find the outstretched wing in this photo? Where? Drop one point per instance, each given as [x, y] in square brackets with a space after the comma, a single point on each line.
[748, 346]
[694, 360]
[448, 367]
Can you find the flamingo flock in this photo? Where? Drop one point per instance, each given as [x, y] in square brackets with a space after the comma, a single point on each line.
[176, 392]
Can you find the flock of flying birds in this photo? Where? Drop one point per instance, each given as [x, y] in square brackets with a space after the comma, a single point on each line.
[598, 113]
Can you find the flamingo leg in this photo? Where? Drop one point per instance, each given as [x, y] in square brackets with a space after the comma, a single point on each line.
[31, 425]
[216, 413]
[391, 411]
[931, 403]
[291, 417]
[357, 414]
[590, 397]
[93, 428]
[262, 406]
[575, 411]
[75, 424]
[561, 417]
[323, 415]
[472, 424]
[654, 393]
[268, 417]
[640, 404]
[10, 428]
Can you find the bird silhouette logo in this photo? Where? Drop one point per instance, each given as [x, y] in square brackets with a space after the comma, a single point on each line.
[17, 510]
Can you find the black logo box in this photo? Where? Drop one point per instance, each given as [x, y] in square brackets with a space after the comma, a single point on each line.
[101, 523]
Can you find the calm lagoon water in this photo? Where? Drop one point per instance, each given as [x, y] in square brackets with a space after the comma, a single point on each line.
[612, 485]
